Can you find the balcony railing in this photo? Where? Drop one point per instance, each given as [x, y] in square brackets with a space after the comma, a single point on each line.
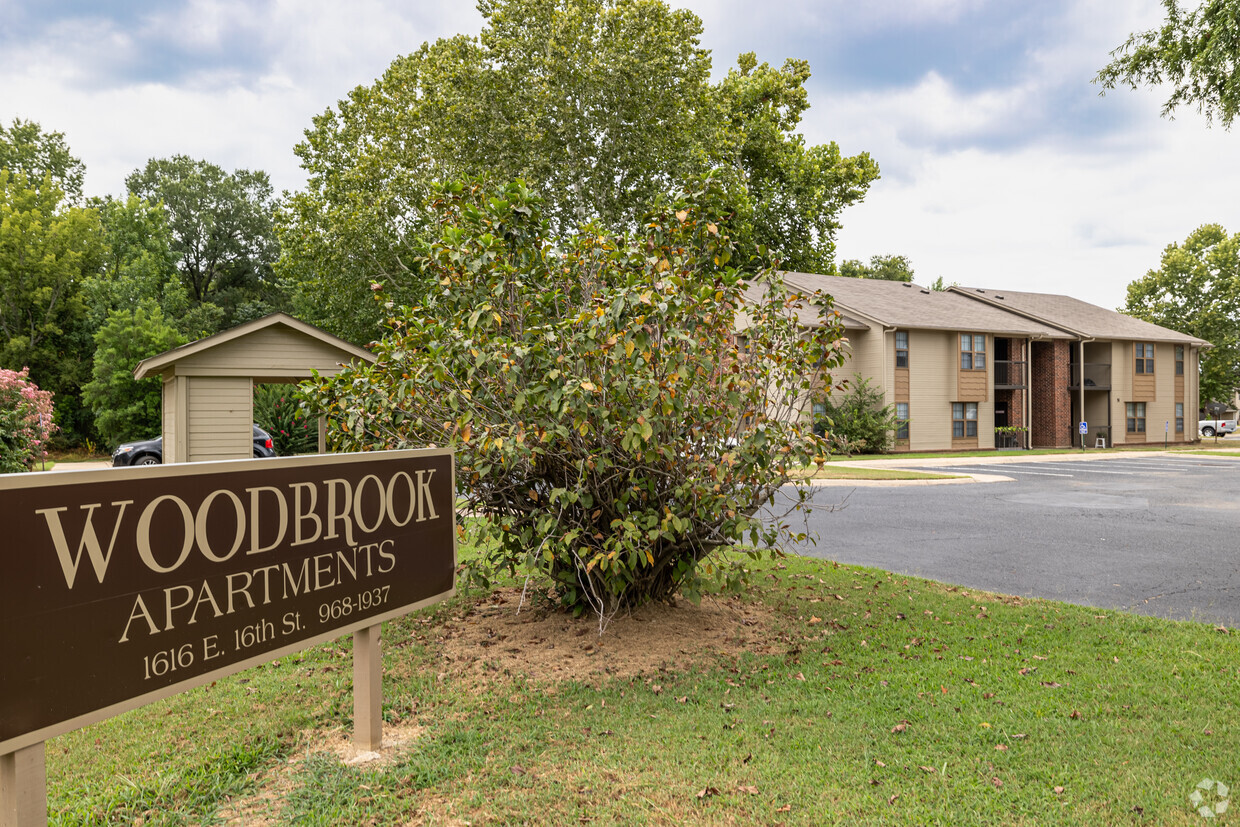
[1097, 376]
[1009, 375]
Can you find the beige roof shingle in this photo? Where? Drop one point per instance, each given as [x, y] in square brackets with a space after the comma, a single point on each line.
[906, 305]
[1083, 318]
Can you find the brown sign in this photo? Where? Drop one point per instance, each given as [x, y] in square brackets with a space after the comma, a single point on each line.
[123, 586]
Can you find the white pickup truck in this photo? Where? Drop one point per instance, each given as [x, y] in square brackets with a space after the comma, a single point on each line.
[1216, 427]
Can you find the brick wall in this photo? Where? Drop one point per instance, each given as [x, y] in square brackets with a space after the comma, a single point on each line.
[1011, 400]
[1052, 401]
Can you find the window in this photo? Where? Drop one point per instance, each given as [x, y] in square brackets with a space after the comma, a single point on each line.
[818, 422]
[1179, 360]
[901, 420]
[1144, 359]
[964, 419]
[1179, 417]
[973, 351]
[1136, 417]
[901, 348]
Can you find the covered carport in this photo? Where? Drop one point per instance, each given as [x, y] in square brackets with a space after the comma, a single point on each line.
[208, 385]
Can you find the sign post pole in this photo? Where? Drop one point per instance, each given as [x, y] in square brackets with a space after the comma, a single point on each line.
[367, 689]
[23, 787]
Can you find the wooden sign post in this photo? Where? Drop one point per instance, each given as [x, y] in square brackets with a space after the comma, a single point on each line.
[126, 586]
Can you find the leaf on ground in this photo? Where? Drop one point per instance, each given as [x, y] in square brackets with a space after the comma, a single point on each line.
[892, 800]
[1075, 714]
[800, 676]
[783, 809]
[996, 782]
[1001, 747]
[926, 769]
[898, 728]
[707, 792]
[878, 763]
[748, 789]
[1059, 791]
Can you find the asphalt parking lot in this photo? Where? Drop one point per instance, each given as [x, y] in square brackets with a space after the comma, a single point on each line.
[1157, 534]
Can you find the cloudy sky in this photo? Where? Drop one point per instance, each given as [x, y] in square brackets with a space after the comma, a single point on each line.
[1001, 165]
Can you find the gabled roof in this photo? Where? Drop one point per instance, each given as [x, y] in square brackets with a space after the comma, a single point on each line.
[809, 315]
[1088, 321]
[155, 365]
[906, 305]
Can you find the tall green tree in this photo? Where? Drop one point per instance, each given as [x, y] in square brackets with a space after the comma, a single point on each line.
[221, 226]
[1196, 51]
[126, 408]
[608, 434]
[26, 148]
[888, 268]
[597, 104]
[139, 263]
[795, 193]
[1196, 290]
[47, 249]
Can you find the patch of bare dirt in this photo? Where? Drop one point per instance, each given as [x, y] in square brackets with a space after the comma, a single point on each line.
[546, 644]
[263, 809]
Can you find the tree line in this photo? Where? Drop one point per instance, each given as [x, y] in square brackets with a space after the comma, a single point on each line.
[599, 108]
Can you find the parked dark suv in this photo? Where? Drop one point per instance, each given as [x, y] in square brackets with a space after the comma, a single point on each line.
[151, 451]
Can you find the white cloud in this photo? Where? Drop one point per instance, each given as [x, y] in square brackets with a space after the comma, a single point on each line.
[312, 54]
[1035, 184]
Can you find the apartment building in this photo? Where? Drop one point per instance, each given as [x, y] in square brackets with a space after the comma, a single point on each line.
[972, 368]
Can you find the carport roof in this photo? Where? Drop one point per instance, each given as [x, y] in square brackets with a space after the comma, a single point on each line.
[156, 365]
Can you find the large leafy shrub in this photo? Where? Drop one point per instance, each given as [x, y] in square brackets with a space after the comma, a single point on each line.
[278, 411]
[856, 420]
[126, 408]
[26, 421]
[607, 433]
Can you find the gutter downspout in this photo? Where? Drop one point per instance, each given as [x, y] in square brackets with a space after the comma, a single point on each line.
[1081, 390]
[1029, 389]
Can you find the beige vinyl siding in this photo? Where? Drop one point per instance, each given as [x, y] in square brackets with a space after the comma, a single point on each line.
[1144, 388]
[285, 353]
[971, 385]
[1096, 415]
[169, 418]
[986, 419]
[1121, 389]
[221, 415]
[902, 385]
[932, 358]
[864, 356]
[870, 358]
[1160, 412]
[848, 348]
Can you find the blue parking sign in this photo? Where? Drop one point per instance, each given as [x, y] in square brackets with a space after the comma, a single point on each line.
[1084, 428]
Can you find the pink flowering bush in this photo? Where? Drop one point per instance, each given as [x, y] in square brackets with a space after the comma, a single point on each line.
[25, 421]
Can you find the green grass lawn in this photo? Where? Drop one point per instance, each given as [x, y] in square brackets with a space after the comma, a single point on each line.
[1035, 452]
[830, 472]
[879, 700]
